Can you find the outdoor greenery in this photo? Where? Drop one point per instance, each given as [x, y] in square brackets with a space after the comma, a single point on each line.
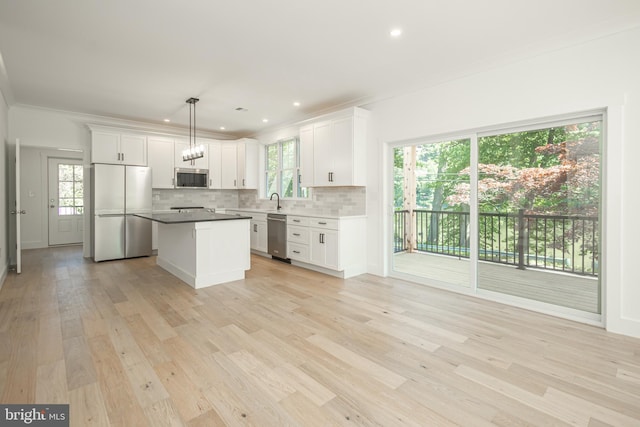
[282, 169]
[70, 189]
[551, 172]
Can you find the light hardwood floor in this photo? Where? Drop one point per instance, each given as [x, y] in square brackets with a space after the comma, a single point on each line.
[127, 344]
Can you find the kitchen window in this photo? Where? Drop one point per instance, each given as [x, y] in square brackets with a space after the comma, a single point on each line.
[282, 169]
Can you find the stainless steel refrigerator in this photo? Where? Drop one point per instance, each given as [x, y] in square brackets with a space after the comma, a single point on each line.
[117, 192]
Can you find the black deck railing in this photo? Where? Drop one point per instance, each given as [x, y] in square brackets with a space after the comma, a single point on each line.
[552, 242]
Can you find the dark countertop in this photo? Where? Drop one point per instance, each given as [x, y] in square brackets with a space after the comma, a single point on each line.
[183, 217]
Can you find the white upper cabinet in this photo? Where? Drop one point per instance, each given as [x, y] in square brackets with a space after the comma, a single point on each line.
[232, 165]
[229, 167]
[239, 164]
[247, 158]
[161, 162]
[215, 164]
[338, 143]
[133, 149]
[201, 163]
[306, 156]
[118, 148]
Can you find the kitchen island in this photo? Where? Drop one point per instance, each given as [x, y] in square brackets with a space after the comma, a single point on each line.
[203, 248]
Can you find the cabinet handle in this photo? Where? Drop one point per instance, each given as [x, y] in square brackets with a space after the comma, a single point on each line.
[243, 184]
[296, 252]
[296, 234]
[255, 228]
[330, 176]
[322, 223]
[234, 182]
[123, 157]
[321, 237]
[296, 220]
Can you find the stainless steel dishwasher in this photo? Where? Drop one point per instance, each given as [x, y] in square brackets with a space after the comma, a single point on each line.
[277, 236]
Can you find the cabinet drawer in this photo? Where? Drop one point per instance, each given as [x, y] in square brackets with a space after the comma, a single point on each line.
[331, 224]
[298, 234]
[297, 220]
[298, 252]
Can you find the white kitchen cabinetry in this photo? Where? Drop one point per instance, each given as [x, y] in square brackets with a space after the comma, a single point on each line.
[201, 163]
[215, 164]
[161, 162]
[330, 245]
[324, 250]
[229, 167]
[117, 148]
[306, 156]
[247, 163]
[339, 149]
[258, 234]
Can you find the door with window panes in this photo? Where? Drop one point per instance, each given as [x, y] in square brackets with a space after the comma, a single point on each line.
[65, 202]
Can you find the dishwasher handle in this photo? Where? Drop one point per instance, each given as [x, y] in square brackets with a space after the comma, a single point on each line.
[276, 219]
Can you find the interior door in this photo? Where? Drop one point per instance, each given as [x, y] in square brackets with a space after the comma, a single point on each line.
[18, 211]
[66, 195]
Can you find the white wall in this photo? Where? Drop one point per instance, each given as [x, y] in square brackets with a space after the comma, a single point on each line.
[4, 240]
[601, 74]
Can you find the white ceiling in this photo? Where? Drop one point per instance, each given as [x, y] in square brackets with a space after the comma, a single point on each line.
[141, 59]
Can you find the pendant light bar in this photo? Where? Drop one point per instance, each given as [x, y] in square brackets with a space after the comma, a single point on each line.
[194, 151]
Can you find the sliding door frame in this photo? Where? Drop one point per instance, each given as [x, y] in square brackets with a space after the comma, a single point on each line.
[597, 319]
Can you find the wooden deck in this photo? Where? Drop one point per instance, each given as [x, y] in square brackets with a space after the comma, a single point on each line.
[566, 290]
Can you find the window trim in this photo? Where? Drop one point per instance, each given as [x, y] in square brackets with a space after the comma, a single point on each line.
[298, 192]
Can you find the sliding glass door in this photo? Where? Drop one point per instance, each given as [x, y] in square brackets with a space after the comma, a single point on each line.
[539, 214]
[431, 230]
[536, 222]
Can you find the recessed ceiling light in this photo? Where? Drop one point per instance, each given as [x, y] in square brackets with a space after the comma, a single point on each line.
[265, 120]
[167, 120]
[396, 32]
[221, 127]
[296, 104]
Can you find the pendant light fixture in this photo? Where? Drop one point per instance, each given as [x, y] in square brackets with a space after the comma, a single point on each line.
[194, 151]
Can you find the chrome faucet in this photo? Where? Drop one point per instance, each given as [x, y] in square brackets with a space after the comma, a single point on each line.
[278, 196]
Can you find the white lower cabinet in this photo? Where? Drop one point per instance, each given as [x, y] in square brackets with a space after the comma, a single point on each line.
[298, 239]
[259, 235]
[325, 248]
[328, 244]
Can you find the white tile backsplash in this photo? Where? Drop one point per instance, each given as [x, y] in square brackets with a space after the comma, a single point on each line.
[166, 199]
[332, 201]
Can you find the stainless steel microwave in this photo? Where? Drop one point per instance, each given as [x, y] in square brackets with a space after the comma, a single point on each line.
[191, 178]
